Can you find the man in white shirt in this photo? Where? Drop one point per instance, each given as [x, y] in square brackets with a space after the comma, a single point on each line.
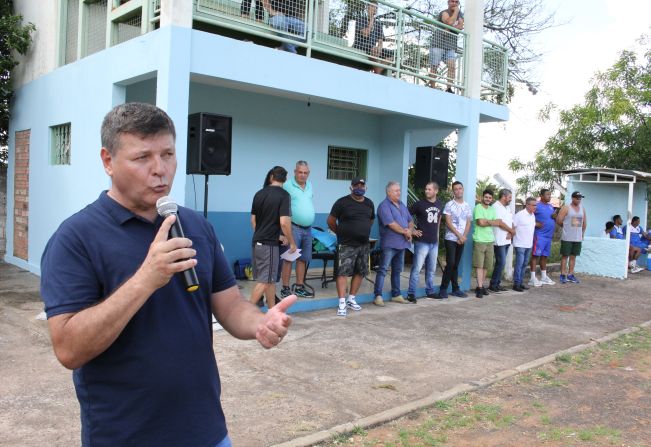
[524, 223]
[503, 233]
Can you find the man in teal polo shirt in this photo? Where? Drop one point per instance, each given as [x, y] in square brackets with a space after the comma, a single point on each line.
[300, 190]
[483, 238]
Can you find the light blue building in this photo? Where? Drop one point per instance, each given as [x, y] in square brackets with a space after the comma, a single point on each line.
[321, 105]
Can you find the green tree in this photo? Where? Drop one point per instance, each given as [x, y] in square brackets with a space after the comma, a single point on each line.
[610, 129]
[14, 38]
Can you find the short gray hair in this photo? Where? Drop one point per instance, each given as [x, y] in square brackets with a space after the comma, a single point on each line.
[390, 185]
[504, 192]
[529, 200]
[302, 163]
[138, 118]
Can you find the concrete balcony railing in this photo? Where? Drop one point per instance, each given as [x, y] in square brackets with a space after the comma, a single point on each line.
[373, 35]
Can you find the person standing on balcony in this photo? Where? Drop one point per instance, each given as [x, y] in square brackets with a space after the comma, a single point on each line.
[458, 221]
[396, 227]
[369, 35]
[245, 10]
[444, 43]
[427, 213]
[287, 16]
[351, 219]
[300, 192]
[270, 216]
[503, 234]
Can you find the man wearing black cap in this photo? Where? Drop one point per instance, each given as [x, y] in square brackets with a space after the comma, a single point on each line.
[573, 220]
[351, 218]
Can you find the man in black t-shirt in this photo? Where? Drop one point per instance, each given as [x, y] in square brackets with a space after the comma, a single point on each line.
[427, 213]
[270, 214]
[351, 219]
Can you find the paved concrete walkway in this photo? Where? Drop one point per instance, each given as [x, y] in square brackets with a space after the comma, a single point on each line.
[329, 370]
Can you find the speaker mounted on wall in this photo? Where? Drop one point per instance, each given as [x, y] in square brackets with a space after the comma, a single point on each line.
[431, 166]
[209, 144]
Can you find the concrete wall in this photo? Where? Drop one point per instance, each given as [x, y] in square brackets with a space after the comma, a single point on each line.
[41, 57]
[3, 211]
[603, 257]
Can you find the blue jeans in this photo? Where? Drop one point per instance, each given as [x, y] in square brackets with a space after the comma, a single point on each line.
[521, 261]
[288, 24]
[423, 251]
[395, 258]
[500, 259]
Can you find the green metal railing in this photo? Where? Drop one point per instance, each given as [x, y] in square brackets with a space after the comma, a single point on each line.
[374, 34]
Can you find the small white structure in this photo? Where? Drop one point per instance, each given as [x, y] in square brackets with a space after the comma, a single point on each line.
[608, 192]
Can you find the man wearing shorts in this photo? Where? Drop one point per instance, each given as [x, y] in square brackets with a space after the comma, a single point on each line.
[302, 206]
[483, 238]
[542, 238]
[573, 220]
[351, 219]
[444, 42]
[270, 214]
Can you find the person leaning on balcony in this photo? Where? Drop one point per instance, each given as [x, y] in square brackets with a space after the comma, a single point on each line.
[369, 35]
[245, 10]
[286, 15]
[444, 42]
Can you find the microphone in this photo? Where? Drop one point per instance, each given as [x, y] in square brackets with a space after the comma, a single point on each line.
[166, 206]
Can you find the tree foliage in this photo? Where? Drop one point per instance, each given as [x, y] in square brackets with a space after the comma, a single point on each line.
[610, 129]
[14, 38]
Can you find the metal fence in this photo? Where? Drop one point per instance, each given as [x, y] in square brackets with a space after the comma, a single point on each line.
[374, 34]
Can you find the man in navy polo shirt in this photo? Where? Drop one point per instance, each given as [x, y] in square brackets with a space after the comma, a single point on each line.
[140, 345]
[396, 226]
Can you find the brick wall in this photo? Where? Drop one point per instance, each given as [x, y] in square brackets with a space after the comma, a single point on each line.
[21, 194]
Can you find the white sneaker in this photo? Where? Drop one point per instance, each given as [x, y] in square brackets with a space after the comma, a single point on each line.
[341, 310]
[352, 304]
[547, 280]
[535, 282]
[636, 269]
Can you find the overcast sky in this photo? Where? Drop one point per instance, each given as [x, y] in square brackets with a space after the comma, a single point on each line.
[595, 33]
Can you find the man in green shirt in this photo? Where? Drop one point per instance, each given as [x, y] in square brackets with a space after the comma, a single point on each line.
[483, 237]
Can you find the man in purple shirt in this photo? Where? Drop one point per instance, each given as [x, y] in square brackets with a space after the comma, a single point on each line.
[396, 226]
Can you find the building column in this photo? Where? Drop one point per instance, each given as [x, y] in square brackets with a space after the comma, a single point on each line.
[467, 174]
[176, 12]
[173, 96]
[474, 26]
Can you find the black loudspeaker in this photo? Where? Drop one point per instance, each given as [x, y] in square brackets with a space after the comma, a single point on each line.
[431, 166]
[209, 144]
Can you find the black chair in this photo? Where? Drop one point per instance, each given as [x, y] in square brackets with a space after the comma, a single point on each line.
[323, 256]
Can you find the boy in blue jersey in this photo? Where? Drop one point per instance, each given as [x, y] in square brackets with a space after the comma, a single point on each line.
[542, 238]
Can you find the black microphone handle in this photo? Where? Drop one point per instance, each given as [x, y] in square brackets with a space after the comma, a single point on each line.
[190, 279]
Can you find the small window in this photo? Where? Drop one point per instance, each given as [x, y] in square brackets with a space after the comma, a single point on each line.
[345, 163]
[60, 144]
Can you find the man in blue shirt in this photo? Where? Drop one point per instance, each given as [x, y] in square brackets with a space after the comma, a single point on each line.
[396, 226]
[118, 312]
[542, 238]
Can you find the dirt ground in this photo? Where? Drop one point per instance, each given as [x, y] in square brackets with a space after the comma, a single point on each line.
[599, 397]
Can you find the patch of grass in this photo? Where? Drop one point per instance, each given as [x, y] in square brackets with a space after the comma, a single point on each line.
[442, 405]
[340, 438]
[544, 375]
[525, 378]
[565, 357]
[545, 419]
[590, 434]
[555, 434]
[538, 405]
[357, 430]
[462, 398]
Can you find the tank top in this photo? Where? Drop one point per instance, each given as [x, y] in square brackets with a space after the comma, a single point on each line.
[573, 225]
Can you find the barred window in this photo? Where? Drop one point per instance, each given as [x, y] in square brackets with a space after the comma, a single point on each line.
[60, 144]
[346, 163]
